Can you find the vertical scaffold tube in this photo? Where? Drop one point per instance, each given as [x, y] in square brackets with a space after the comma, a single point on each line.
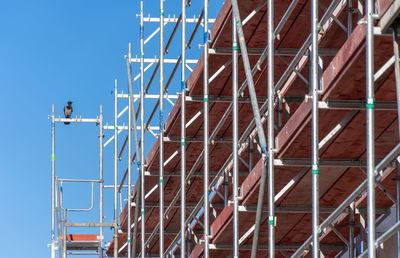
[397, 77]
[250, 140]
[115, 169]
[397, 70]
[137, 149]
[129, 174]
[142, 160]
[64, 248]
[206, 133]
[226, 184]
[101, 184]
[60, 242]
[351, 230]
[53, 169]
[314, 128]
[370, 129]
[235, 135]
[161, 138]
[398, 209]
[183, 132]
[271, 95]
[349, 17]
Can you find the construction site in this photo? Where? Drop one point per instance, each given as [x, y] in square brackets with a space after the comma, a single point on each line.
[268, 130]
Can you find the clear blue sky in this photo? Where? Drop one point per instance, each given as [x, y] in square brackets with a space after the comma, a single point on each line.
[52, 52]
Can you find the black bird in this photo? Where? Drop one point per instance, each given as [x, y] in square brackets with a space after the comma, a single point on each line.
[68, 111]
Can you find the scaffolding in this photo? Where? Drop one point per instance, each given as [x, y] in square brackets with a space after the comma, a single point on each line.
[307, 82]
[75, 244]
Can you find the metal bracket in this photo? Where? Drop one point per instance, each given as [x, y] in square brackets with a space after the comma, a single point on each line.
[362, 21]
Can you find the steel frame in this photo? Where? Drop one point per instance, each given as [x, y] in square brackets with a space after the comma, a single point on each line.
[206, 108]
[58, 211]
[264, 114]
[141, 96]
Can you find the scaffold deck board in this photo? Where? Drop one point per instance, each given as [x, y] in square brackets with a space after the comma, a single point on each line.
[87, 242]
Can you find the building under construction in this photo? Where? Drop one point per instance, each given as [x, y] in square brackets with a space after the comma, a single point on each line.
[283, 139]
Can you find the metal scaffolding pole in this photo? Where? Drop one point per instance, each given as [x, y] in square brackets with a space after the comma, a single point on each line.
[183, 132]
[142, 140]
[137, 150]
[59, 219]
[235, 135]
[314, 127]
[161, 138]
[206, 133]
[115, 169]
[271, 139]
[53, 149]
[349, 17]
[351, 230]
[64, 242]
[130, 104]
[397, 70]
[370, 128]
[397, 78]
[101, 181]
[226, 184]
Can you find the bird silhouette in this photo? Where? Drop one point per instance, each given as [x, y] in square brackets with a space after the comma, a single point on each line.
[68, 111]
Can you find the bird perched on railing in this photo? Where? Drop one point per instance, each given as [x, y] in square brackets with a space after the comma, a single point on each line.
[68, 111]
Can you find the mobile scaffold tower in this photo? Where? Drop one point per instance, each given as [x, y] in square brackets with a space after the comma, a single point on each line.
[75, 244]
